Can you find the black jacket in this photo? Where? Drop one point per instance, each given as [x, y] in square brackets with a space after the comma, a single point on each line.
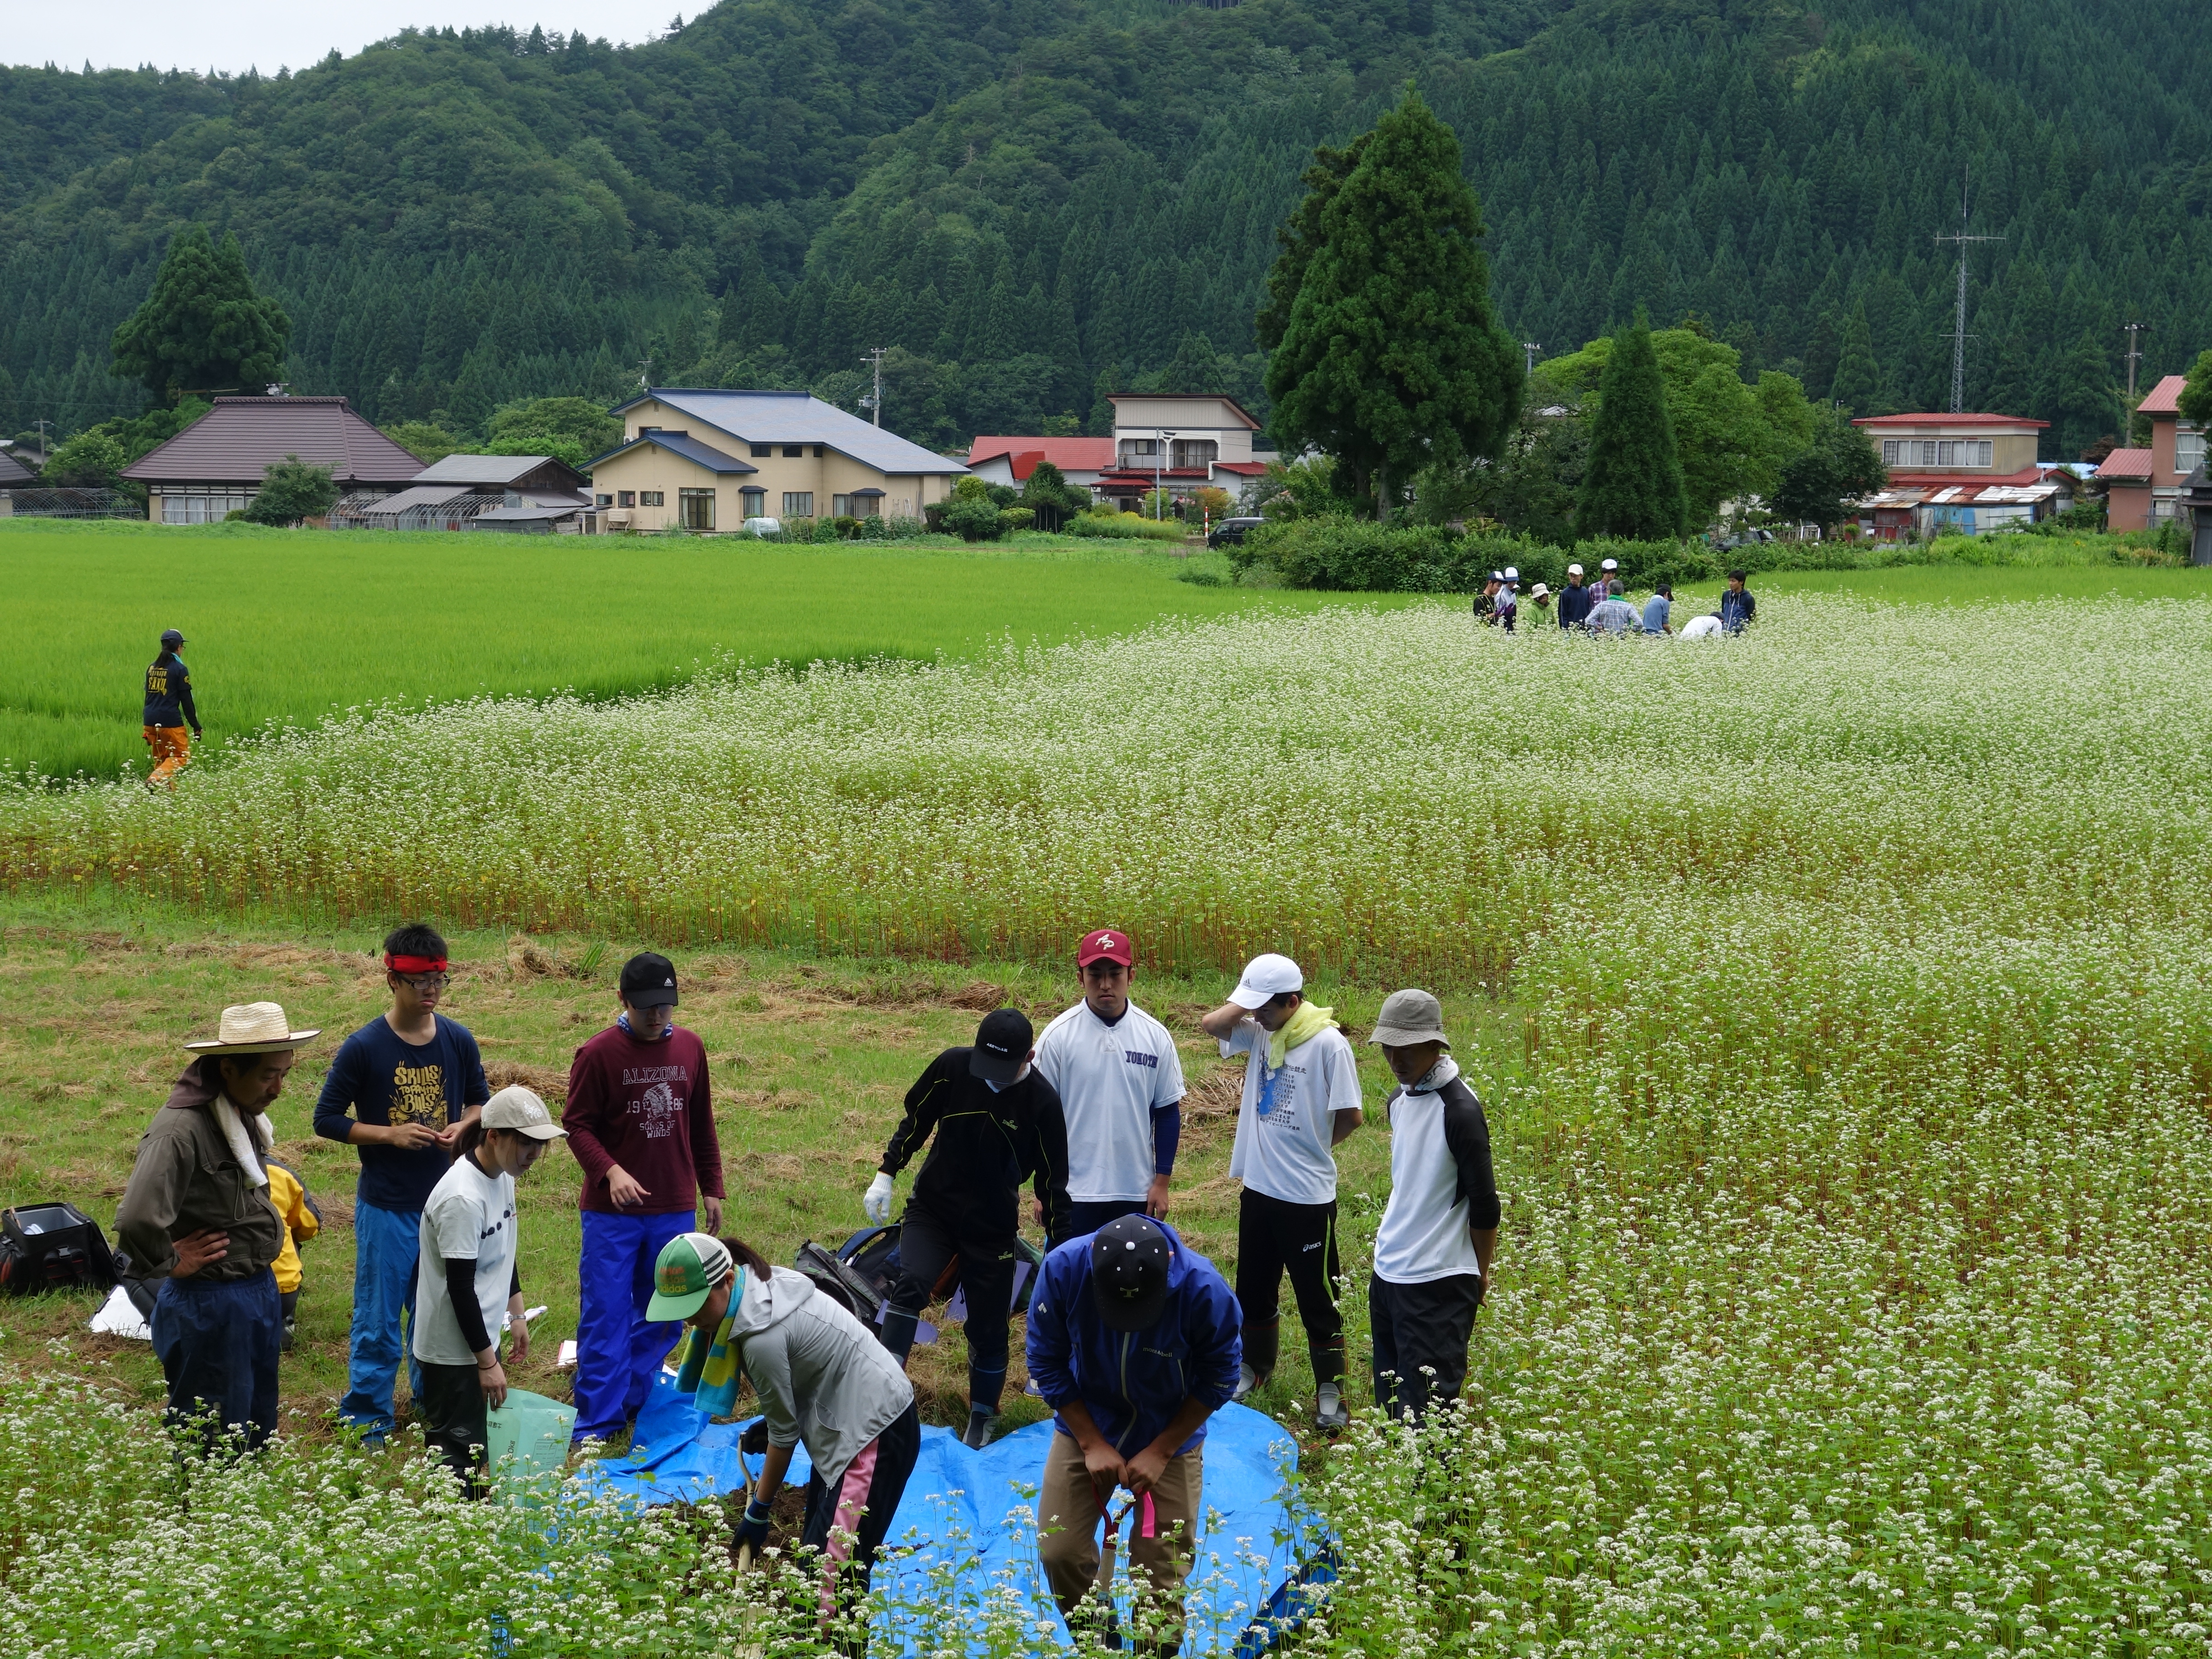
[988, 1144]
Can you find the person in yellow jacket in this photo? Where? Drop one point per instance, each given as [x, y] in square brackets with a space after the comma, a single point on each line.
[295, 1207]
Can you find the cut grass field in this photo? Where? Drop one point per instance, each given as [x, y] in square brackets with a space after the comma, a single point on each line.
[288, 626]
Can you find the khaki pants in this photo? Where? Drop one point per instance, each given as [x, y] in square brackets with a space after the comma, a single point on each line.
[1068, 1529]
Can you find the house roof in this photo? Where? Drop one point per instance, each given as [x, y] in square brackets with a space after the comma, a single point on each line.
[529, 514]
[2127, 464]
[239, 440]
[2161, 399]
[1068, 455]
[418, 495]
[13, 471]
[1950, 492]
[1185, 398]
[684, 445]
[797, 417]
[2021, 421]
[2026, 475]
[501, 470]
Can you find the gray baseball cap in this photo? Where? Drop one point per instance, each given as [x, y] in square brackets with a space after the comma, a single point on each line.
[1410, 1017]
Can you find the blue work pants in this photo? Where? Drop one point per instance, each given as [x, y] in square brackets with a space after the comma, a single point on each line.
[218, 1340]
[385, 1244]
[617, 1350]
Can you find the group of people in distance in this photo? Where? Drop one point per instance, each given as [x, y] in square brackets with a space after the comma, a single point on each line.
[1603, 607]
[1134, 1339]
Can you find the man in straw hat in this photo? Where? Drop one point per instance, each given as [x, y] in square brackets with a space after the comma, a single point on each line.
[196, 1218]
[1432, 1253]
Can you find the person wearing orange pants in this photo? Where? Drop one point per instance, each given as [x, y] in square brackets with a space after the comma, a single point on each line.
[168, 711]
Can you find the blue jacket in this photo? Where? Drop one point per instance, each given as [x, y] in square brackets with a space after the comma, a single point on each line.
[1736, 609]
[1575, 604]
[1133, 1383]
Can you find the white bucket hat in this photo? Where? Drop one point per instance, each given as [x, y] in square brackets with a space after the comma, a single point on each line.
[252, 1028]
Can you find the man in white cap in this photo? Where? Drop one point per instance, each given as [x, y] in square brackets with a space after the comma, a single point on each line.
[196, 1217]
[1120, 1082]
[1509, 598]
[1609, 585]
[1574, 599]
[1433, 1251]
[1301, 1098]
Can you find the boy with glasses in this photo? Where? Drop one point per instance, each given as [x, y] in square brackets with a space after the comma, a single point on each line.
[411, 1079]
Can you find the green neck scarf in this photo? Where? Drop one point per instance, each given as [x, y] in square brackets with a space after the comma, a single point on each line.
[1308, 1023]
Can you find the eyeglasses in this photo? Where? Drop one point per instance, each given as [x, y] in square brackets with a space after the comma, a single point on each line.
[426, 981]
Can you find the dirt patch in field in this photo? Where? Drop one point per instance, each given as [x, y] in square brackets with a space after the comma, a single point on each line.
[548, 1082]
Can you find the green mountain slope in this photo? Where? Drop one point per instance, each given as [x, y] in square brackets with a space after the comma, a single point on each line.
[1040, 200]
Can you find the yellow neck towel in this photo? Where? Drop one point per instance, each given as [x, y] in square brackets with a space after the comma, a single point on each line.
[1308, 1023]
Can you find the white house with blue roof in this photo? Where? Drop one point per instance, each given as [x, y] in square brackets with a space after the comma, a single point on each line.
[708, 460]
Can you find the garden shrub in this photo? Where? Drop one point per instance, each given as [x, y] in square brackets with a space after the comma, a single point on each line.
[1128, 526]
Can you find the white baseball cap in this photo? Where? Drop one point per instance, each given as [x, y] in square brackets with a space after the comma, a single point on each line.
[1265, 979]
[1574, 570]
[1609, 564]
[1512, 574]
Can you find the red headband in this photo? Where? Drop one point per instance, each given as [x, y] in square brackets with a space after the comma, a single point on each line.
[414, 964]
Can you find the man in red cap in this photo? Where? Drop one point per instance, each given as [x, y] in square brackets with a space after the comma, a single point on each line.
[1121, 1089]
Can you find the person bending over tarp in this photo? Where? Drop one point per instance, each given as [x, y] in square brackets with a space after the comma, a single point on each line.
[823, 1380]
[1132, 1341]
[997, 1123]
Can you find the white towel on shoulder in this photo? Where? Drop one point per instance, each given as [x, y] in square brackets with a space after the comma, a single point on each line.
[250, 1148]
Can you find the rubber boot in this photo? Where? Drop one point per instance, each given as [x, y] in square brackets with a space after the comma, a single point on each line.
[1330, 1413]
[984, 1387]
[898, 1334]
[1262, 1344]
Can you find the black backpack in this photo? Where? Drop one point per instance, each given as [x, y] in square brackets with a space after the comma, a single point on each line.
[52, 1247]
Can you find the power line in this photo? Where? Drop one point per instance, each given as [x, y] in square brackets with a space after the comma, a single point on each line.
[1959, 330]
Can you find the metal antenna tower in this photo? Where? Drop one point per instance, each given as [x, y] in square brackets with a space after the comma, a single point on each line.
[1959, 331]
[874, 401]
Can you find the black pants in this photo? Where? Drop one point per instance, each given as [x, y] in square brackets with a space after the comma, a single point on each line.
[1087, 1219]
[869, 1493]
[1273, 1238]
[1421, 1333]
[926, 1243]
[453, 1411]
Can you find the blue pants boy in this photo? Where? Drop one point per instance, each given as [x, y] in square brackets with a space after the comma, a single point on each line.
[617, 1350]
[385, 1245]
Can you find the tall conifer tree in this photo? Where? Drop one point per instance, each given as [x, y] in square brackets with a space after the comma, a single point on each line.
[1633, 485]
[1390, 357]
[203, 328]
[1857, 385]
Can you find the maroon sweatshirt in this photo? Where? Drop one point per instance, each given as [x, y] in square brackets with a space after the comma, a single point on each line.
[647, 1107]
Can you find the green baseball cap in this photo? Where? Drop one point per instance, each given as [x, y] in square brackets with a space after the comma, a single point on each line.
[691, 1266]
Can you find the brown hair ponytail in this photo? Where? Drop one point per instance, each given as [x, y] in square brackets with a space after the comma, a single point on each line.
[750, 1259]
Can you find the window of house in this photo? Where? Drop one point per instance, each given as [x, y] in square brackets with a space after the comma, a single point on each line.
[797, 503]
[840, 506]
[1192, 452]
[203, 506]
[761, 451]
[867, 506]
[606, 500]
[755, 502]
[794, 451]
[1147, 447]
[2188, 450]
[818, 452]
[1974, 451]
[695, 509]
[625, 498]
[652, 498]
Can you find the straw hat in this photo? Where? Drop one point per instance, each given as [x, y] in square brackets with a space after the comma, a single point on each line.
[252, 1028]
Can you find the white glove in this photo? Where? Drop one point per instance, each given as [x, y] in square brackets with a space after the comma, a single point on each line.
[877, 1200]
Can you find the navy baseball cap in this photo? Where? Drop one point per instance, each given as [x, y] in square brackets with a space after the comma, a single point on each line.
[171, 636]
[1002, 1046]
[1129, 1262]
[649, 981]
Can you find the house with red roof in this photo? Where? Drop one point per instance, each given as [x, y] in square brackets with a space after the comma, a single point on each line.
[1959, 472]
[2142, 487]
[1180, 443]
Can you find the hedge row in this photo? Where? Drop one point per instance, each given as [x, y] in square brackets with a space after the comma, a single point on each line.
[1348, 555]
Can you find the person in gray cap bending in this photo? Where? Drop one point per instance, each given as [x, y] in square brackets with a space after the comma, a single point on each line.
[1433, 1252]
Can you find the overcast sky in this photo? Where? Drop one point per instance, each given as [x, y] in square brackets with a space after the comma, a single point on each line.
[267, 34]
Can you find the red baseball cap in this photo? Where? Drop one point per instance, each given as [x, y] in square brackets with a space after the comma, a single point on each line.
[1105, 945]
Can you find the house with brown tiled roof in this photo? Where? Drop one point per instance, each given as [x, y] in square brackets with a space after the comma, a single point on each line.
[216, 464]
[2142, 487]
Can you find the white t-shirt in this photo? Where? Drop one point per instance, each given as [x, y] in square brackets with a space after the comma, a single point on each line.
[1423, 1236]
[469, 1214]
[1287, 1117]
[1110, 1078]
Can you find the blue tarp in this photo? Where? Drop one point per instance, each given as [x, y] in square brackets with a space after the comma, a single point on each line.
[963, 1514]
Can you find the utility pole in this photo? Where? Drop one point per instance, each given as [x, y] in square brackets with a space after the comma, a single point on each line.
[1959, 331]
[1160, 439]
[874, 400]
[2135, 333]
[1529, 349]
[45, 448]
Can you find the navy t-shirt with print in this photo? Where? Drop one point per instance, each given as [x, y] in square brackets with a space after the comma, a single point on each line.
[377, 1078]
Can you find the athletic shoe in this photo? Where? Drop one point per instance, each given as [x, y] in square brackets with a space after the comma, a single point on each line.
[978, 1432]
[1330, 1413]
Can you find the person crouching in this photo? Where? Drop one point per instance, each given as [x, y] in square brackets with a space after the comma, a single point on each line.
[823, 1380]
[466, 1276]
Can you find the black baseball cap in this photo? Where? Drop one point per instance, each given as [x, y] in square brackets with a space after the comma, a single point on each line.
[1002, 1046]
[171, 636]
[1129, 1262]
[649, 981]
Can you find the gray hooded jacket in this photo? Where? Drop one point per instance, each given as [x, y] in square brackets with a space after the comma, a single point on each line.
[824, 1379]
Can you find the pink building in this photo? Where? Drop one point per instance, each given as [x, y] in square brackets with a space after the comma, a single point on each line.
[2143, 486]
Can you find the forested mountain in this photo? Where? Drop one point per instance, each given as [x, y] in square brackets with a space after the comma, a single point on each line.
[1037, 201]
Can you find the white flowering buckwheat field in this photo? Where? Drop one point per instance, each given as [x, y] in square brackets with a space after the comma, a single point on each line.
[1852, 1112]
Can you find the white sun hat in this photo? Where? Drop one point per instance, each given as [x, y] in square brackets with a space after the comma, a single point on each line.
[252, 1028]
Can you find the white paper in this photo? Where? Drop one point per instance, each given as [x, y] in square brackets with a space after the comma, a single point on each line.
[119, 1316]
